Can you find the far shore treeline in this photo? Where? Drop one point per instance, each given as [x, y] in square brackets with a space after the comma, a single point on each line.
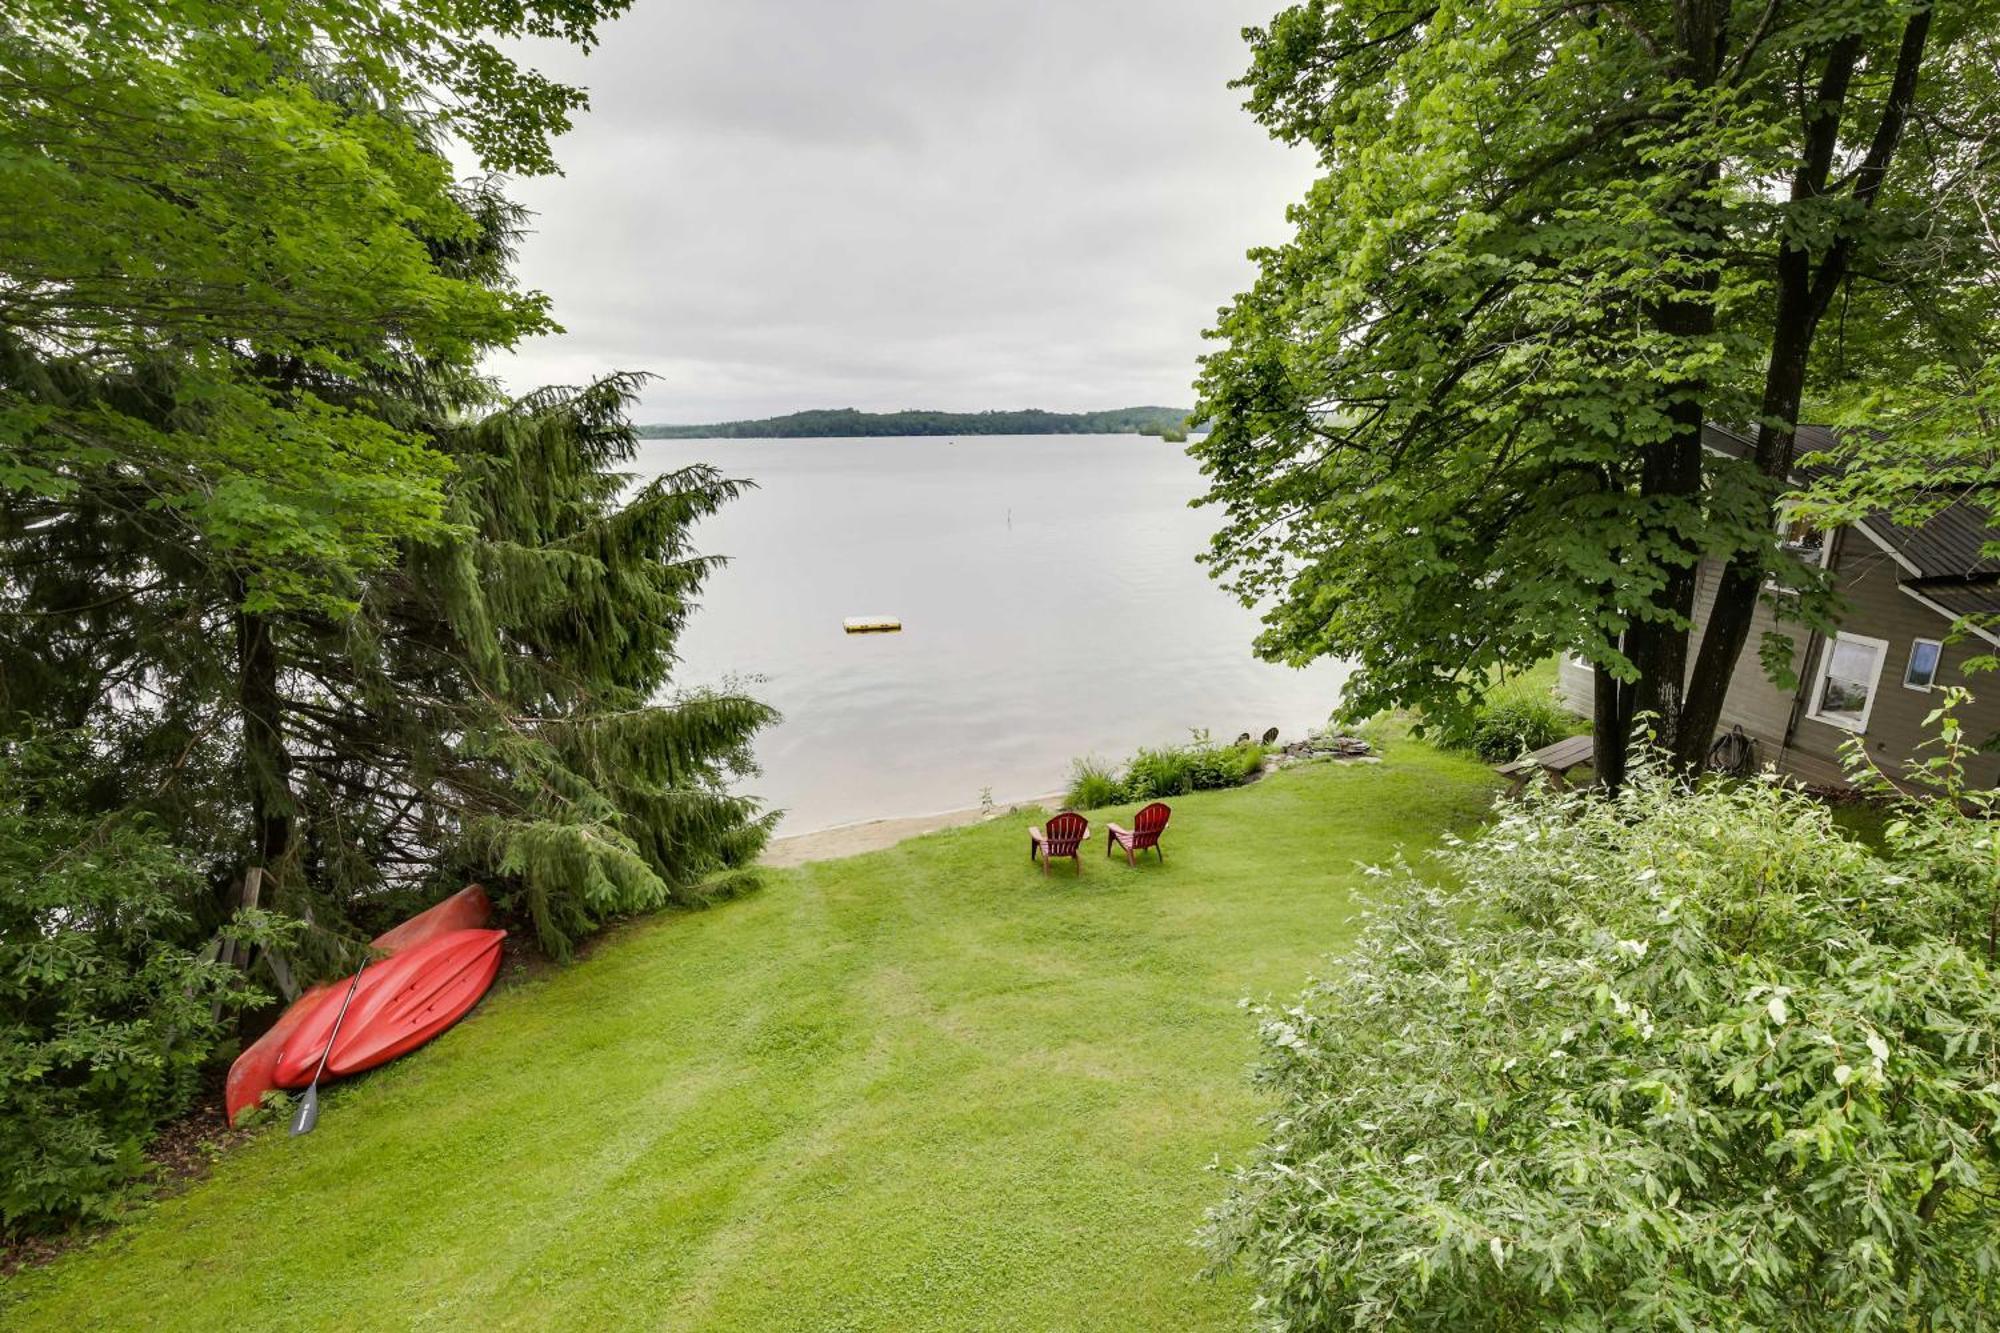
[1171, 422]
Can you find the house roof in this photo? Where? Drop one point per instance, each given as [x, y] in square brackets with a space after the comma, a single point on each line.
[1957, 598]
[1942, 559]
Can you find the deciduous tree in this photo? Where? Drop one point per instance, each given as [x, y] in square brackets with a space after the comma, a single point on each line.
[1457, 421]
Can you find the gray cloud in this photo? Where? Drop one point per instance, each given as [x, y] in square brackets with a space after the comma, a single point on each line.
[780, 204]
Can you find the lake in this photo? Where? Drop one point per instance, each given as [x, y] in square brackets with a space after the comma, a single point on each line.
[1051, 608]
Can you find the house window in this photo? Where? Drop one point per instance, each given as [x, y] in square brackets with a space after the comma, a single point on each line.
[1922, 671]
[1804, 540]
[1849, 670]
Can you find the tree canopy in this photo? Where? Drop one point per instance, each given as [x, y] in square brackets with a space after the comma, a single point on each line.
[216, 216]
[1456, 422]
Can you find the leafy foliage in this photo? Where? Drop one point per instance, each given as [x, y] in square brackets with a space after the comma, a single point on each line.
[1202, 766]
[342, 613]
[1167, 770]
[1507, 724]
[1942, 821]
[1093, 784]
[496, 707]
[1920, 437]
[1689, 1059]
[106, 1011]
[326, 606]
[1457, 421]
[222, 222]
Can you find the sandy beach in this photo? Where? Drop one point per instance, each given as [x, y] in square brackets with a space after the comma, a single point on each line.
[874, 834]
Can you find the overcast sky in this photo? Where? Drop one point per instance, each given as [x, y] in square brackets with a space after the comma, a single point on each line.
[961, 204]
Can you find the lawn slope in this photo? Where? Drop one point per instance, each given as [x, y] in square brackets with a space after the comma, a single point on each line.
[923, 1088]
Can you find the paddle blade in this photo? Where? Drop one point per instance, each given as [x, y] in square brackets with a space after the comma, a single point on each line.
[307, 1115]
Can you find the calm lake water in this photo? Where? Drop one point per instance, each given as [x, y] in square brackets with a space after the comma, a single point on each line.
[1050, 602]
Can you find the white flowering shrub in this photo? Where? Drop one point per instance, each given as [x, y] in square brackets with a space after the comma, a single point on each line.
[1670, 1060]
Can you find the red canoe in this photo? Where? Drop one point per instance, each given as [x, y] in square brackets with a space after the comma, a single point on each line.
[440, 962]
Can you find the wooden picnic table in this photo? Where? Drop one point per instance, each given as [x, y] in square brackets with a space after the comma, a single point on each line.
[1553, 760]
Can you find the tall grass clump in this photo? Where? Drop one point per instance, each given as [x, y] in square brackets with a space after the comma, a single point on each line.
[1510, 726]
[1677, 1058]
[1165, 771]
[1093, 784]
[1169, 770]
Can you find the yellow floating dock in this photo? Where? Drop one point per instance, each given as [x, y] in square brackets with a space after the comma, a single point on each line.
[871, 624]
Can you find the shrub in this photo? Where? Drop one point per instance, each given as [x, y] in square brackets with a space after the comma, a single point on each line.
[1508, 725]
[106, 1016]
[1212, 766]
[1169, 770]
[1156, 773]
[1093, 784]
[1671, 1059]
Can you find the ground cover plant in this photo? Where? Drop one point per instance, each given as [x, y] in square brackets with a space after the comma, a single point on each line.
[1694, 1060]
[1164, 771]
[922, 1088]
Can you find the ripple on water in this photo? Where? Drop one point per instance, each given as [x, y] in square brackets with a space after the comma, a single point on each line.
[1051, 604]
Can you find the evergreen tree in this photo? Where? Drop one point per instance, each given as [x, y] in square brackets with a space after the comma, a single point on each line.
[490, 702]
[499, 709]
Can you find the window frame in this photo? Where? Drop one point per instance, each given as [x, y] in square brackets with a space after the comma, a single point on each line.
[1825, 668]
[1825, 553]
[1937, 665]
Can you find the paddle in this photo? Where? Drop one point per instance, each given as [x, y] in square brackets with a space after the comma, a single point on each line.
[308, 1112]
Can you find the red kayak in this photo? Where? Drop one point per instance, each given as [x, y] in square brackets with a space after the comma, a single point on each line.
[440, 962]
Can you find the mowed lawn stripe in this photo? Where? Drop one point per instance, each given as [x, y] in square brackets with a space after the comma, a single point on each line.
[922, 1088]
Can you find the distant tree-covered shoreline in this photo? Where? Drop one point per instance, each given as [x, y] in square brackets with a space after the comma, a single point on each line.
[847, 421]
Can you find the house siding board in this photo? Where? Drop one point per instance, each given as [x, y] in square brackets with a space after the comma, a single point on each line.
[1576, 684]
[1753, 703]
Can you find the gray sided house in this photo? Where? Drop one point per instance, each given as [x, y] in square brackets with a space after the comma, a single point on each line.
[1894, 651]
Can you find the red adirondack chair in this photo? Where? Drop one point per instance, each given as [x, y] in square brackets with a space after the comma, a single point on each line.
[1065, 835]
[1145, 832]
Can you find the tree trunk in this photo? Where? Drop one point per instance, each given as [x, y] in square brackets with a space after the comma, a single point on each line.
[1803, 296]
[267, 766]
[1611, 728]
[1670, 470]
[1670, 475]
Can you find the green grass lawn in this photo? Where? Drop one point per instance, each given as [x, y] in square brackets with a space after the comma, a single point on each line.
[923, 1088]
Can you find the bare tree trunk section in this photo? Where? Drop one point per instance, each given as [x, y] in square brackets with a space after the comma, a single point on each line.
[267, 765]
[1803, 296]
[1610, 728]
